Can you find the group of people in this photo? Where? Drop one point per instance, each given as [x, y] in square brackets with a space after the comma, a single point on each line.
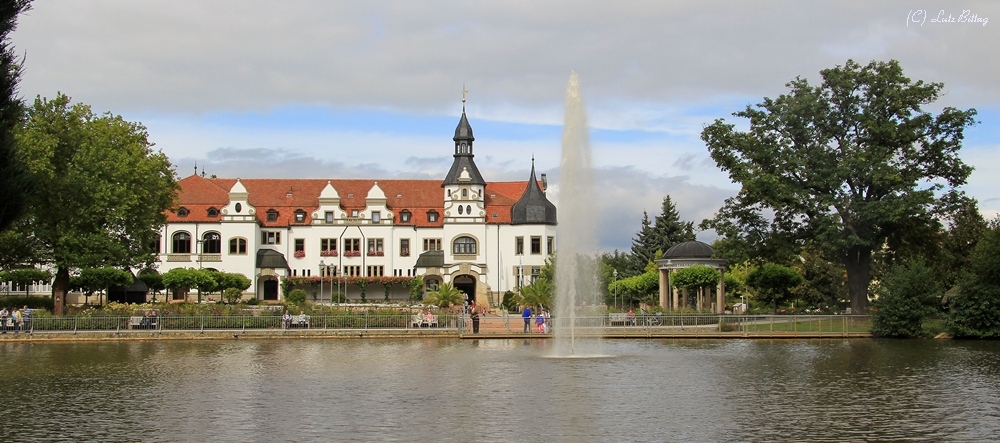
[15, 320]
[425, 318]
[301, 321]
[542, 322]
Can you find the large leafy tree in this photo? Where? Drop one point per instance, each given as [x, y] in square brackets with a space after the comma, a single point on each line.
[92, 280]
[101, 190]
[851, 163]
[16, 183]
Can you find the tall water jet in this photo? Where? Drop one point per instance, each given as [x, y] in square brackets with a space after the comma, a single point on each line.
[576, 267]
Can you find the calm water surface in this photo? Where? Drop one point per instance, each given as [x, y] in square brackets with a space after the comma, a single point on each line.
[452, 390]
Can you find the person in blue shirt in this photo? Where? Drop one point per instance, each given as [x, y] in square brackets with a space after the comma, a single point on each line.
[527, 319]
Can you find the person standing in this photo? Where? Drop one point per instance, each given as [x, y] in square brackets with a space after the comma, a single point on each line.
[27, 318]
[15, 316]
[526, 315]
[474, 315]
[4, 316]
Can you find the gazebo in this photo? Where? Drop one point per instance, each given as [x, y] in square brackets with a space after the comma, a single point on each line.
[684, 255]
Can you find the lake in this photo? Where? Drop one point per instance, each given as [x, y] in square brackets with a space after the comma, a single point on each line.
[418, 390]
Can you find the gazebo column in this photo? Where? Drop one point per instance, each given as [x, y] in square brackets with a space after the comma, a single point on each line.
[721, 297]
[664, 287]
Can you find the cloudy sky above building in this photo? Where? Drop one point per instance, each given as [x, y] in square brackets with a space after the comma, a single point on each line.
[320, 89]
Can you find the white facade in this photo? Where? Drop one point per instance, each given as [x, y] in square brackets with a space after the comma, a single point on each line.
[362, 228]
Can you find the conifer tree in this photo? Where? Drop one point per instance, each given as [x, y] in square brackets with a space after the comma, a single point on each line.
[16, 184]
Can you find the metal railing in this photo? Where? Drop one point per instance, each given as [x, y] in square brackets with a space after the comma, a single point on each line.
[235, 322]
[610, 325]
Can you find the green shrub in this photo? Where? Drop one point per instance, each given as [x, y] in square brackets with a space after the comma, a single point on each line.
[32, 302]
[907, 295]
[296, 296]
[253, 301]
[232, 295]
[975, 309]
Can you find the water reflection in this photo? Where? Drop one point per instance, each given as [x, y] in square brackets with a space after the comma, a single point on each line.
[501, 390]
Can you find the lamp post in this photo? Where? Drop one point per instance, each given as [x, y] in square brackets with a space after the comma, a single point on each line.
[615, 273]
[322, 267]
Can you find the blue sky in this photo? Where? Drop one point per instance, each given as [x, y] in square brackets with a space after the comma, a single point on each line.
[357, 89]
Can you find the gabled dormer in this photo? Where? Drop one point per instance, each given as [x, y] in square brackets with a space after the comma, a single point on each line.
[376, 211]
[329, 206]
[238, 210]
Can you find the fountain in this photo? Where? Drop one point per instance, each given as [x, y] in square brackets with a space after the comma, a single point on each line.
[576, 267]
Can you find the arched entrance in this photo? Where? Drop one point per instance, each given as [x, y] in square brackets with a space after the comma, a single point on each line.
[269, 288]
[466, 284]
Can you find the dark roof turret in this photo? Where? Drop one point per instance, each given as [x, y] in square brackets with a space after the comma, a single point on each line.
[533, 207]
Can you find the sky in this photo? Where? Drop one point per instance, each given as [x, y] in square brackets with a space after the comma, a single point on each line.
[325, 89]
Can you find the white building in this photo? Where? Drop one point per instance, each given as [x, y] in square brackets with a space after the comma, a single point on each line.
[484, 237]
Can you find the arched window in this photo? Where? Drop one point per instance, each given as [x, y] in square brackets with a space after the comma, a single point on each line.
[211, 243]
[464, 245]
[181, 243]
[237, 246]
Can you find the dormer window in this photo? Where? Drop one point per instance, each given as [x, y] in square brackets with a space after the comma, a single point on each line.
[376, 217]
[272, 215]
[354, 213]
[404, 216]
[300, 216]
[432, 216]
[212, 212]
[182, 212]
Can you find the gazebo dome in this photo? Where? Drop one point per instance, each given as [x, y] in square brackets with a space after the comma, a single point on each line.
[689, 249]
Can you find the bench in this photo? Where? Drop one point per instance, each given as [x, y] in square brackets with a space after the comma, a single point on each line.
[618, 319]
[141, 322]
[417, 322]
[299, 323]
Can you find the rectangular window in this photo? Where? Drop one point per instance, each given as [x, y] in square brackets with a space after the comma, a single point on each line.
[535, 272]
[404, 247]
[432, 216]
[536, 245]
[354, 213]
[432, 244]
[550, 243]
[270, 237]
[327, 245]
[352, 271]
[328, 216]
[352, 246]
[519, 245]
[375, 247]
[376, 217]
[376, 271]
[300, 245]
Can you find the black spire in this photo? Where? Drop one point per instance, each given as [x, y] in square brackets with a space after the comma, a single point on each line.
[533, 207]
[463, 155]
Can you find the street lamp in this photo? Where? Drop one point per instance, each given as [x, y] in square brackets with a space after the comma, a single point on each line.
[615, 273]
[322, 267]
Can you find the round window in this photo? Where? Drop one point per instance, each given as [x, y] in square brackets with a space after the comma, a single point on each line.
[239, 208]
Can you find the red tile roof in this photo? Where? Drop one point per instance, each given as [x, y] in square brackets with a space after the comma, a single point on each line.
[286, 196]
